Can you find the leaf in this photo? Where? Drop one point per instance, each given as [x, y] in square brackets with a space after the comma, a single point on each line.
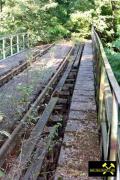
[2, 174]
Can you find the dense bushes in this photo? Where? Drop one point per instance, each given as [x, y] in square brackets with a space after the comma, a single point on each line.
[47, 20]
[114, 59]
[108, 27]
[50, 20]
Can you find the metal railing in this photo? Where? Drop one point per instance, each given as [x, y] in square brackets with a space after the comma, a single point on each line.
[108, 103]
[13, 44]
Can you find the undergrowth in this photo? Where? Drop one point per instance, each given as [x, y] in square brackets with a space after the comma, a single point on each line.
[114, 60]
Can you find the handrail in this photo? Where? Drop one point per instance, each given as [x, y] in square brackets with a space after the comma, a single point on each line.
[11, 35]
[108, 103]
[13, 44]
[112, 79]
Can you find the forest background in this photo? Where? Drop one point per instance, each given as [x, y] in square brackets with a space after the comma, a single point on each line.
[50, 20]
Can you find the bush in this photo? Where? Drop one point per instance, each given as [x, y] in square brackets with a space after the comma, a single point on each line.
[114, 59]
[80, 23]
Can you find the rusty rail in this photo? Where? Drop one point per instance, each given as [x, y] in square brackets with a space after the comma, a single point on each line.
[15, 71]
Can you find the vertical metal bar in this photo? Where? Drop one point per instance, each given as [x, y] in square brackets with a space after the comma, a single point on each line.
[114, 133]
[118, 171]
[114, 130]
[11, 45]
[17, 43]
[4, 53]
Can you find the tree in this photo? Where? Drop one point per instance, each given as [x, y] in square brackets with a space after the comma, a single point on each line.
[115, 4]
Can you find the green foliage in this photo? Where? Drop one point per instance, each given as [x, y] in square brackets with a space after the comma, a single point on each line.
[114, 59]
[2, 174]
[47, 20]
[80, 22]
[50, 20]
[116, 43]
[51, 140]
[107, 20]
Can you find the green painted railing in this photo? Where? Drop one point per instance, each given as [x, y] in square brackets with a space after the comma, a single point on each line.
[13, 44]
[108, 103]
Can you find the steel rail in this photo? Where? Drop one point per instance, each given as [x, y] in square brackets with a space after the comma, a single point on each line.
[5, 78]
[36, 132]
[5, 147]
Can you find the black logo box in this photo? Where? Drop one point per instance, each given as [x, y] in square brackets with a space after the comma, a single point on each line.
[95, 168]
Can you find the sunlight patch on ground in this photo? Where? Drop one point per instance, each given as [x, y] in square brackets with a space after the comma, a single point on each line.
[2, 66]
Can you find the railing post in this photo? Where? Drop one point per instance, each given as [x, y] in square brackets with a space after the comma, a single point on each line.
[101, 94]
[114, 130]
[11, 45]
[118, 171]
[114, 134]
[4, 53]
[20, 43]
[17, 43]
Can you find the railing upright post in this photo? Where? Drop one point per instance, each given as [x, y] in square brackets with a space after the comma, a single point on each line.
[114, 130]
[101, 94]
[4, 53]
[18, 43]
[114, 134]
[11, 45]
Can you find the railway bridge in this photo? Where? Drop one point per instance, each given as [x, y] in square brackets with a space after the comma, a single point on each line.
[70, 115]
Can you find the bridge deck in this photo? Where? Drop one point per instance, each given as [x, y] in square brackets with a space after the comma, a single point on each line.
[81, 142]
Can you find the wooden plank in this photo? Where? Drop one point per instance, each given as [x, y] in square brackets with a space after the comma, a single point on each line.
[77, 61]
[108, 101]
[37, 161]
[101, 95]
[104, 140]
[34, 170]
[39, 155]
[62, 101]
[65, 75]
[114, 131]
[56, 118]
[29, 145]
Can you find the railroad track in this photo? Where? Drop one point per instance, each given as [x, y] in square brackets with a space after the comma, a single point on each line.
[35, 142]
[15, 71]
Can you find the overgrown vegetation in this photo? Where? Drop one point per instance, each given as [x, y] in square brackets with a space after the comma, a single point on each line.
[113, 44]
[46, 20]
[50, 20]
